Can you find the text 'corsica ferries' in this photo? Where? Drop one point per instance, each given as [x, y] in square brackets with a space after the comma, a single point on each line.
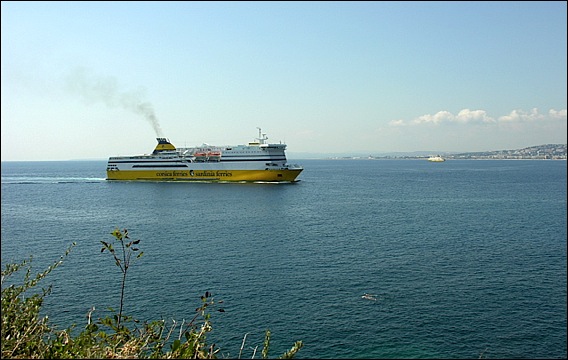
[258, 161]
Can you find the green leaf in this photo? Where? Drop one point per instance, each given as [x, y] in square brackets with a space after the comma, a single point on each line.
[176, 345]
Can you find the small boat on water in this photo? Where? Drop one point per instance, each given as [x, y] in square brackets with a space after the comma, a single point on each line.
[369, 297]
[436, 158]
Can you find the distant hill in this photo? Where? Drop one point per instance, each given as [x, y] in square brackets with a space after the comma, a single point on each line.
[547, 151]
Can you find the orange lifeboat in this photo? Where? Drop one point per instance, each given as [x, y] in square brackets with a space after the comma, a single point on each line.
[214, 155]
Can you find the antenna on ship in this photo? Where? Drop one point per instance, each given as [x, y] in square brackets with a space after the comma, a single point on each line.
[261, 137]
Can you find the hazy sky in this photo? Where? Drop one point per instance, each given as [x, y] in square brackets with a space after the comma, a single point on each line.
[89, 80]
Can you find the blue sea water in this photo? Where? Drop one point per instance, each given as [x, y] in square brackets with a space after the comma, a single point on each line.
[466, 258]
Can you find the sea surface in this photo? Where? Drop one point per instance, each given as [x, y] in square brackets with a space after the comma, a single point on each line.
[465, 258]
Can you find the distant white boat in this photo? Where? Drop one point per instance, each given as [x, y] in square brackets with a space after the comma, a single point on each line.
[369, 297]
[436, 158]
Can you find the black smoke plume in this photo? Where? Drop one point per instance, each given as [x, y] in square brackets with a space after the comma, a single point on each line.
[105, 89]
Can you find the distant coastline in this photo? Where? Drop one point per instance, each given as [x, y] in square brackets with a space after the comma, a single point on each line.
[539, 152]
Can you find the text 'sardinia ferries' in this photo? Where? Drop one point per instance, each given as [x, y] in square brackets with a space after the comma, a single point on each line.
[257, 161]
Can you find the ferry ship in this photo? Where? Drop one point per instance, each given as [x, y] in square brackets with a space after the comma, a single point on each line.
[258, 161]
[436, 158]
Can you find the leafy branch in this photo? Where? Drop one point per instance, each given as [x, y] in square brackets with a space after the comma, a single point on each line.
[122, 260]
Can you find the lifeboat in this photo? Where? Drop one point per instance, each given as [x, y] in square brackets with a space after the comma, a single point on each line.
[200, 156]
[214, 156]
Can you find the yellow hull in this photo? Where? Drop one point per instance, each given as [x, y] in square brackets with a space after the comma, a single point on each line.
[287, 175]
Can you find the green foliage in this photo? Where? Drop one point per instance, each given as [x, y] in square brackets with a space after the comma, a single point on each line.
[27, 336]
[23, 330]
[122, 260]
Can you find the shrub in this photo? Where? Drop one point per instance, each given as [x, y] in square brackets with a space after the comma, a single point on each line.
[26, 335]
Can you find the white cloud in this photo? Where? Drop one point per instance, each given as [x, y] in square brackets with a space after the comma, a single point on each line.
[473, 116]
[467, 116]
[439, 117]
[557, 114]
[397, 123]
[522, 116]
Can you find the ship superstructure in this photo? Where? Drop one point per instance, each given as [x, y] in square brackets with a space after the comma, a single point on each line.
[257, 161]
